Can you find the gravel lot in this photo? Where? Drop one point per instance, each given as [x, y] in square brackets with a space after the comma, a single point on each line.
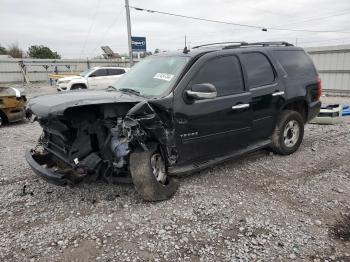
[260, 207]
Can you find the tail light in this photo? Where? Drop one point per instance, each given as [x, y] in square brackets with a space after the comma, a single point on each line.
[319, 88]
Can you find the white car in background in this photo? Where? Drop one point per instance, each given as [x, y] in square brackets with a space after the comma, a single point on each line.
[93, 78]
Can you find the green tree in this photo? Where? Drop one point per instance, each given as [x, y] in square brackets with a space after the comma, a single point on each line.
[42, 52]
[14, 51]
[3, 50]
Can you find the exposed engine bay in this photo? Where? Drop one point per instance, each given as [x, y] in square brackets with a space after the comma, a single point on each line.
[94, 141]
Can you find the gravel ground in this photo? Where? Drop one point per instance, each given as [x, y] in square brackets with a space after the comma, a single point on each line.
[260, 207]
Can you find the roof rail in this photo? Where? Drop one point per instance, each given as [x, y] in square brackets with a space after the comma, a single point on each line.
[235, 46]
[221, 43]
[231, 45]
[271, 43]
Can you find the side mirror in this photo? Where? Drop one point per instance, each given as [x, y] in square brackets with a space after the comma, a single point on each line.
[92, 75]
[202, 91]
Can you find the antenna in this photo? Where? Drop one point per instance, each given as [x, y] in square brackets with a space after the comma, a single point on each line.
[186, 50]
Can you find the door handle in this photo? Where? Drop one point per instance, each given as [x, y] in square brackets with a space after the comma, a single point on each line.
[240, 106]
[278, 93]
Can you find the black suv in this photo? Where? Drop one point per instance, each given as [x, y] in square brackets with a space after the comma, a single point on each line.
[175, 113]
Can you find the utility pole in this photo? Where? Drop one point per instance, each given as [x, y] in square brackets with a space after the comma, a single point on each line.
[129, 31]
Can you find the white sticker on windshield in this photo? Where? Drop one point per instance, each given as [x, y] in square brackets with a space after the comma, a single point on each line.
[164, 76]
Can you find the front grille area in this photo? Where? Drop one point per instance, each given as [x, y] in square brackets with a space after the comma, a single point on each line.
[56, 145]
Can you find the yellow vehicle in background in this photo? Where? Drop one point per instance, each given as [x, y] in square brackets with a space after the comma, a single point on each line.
[12, 105]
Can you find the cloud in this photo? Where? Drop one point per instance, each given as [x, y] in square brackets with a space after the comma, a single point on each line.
[78, 28]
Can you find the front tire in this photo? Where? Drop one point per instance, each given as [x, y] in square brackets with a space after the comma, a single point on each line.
[149, 175]
[78, 86]
[288, 133]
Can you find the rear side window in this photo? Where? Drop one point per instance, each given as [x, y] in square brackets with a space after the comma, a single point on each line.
[295, 62]
[115, 71]
[100, 72]
[224, 73]
[259, 69]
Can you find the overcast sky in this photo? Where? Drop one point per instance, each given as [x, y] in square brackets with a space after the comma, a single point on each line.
[77, 28]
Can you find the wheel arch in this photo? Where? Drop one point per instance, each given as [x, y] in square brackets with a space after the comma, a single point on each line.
[78, 84]
[4, 116]
[299, 105]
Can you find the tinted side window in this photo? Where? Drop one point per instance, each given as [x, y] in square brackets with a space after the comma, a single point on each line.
[259, 69]
[295, 62]
[224, 73]
[115, 71]
[100, 72]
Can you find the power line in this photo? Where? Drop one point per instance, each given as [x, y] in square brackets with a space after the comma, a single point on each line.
[191, 17]
[116, 19]
[237, 24]
[91, 26]
[319, 18]
[325, 40]
[267, 11]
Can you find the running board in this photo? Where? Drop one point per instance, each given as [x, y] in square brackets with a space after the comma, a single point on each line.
[197, 166]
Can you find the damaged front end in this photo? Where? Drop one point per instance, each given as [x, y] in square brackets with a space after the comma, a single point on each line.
[92, 142]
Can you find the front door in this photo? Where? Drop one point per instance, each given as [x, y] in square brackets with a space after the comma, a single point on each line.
[217, 126]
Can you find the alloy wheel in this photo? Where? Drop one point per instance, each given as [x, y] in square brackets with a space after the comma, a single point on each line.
[158, 168]
[291, 133]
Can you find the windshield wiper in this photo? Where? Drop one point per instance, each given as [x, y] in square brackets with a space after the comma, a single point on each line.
[131, 91]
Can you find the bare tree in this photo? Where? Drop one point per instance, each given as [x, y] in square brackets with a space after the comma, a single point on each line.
[14, 51]
[3, 50]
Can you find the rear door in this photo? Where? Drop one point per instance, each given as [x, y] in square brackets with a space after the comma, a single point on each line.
[266, 90]
[114, 74]
[215, 126]
[98, 79]
[300, 71]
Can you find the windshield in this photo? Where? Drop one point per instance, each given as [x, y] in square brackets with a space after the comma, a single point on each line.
[85, 73]
[152, 76]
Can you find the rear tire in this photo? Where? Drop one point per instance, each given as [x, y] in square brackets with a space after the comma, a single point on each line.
[288, 133]
[151, 182]
[1, 121]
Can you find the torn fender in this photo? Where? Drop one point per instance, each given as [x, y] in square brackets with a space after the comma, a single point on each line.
[146, 122]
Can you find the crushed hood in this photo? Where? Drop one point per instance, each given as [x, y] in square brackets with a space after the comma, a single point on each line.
[56, 104]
